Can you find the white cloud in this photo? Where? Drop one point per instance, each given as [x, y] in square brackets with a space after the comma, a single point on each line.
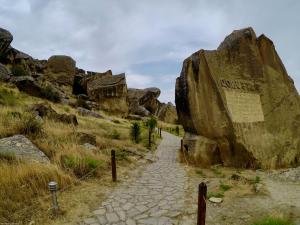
[138, 80]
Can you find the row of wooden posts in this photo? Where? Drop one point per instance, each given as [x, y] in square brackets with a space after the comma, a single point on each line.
[202, 192]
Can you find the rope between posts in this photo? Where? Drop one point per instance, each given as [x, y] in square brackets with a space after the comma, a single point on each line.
[35, 203]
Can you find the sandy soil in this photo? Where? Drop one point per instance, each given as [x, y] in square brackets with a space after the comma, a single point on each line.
[273, 193]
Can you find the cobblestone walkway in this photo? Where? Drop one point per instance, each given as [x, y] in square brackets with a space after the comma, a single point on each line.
[154, 198]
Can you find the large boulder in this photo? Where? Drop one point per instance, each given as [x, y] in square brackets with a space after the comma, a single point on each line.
[45, 111]
[21, 148]
[5, 40]
[143, 102]
[28, 85]
[82, 81]
[238, 105]
[167, 113]
[62, 69]
[110, 92]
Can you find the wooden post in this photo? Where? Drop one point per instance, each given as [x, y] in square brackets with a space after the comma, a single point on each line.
[181, 145]
[113, 166]
[149, 137]
[160, 132]
[202, 203]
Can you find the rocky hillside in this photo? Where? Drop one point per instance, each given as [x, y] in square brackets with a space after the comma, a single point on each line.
[59, 80]
[59, 122]
[238, 105]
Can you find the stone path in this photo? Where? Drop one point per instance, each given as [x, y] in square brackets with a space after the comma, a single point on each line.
[154, 198]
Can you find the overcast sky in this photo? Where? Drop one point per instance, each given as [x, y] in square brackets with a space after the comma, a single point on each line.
[148, 40]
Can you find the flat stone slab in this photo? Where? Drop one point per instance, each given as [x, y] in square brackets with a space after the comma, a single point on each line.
[215, 200]
[23, 149]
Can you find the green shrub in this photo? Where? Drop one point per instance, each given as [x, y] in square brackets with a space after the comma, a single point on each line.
[151, 124]
[50, 93]
[8, 97]
[135, 132]
[177, 130]
[81, 166]
[255, 180]
[7, 156]
[235, 177]
[121, 155]
[14, 114]
[19, 71]
[115, 135]
[82, 103]
[30, 125]
[273, 221]
[200, 173]
[217, 172]
[225, 187]
[116, 121]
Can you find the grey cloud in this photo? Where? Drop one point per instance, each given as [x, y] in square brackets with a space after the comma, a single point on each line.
[135, 36]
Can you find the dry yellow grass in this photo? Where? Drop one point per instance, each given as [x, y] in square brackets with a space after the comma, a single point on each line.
[23, 185]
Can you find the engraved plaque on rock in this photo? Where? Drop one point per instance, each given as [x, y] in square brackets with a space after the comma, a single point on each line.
[244, 107]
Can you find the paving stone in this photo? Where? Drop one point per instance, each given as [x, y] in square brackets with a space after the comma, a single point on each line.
[112, 217]
[153, 198]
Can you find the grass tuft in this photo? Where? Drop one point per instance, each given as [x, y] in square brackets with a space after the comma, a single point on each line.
[225, 187]
[8, 97]
[200, 173]
[8, 156]
[273, 221]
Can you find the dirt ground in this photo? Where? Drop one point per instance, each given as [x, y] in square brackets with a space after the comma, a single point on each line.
[251, 195]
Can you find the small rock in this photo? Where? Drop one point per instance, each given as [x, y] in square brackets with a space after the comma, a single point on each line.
[86, 112]
[86, 138]
[89, 146]
[257, 187]
[215, 200]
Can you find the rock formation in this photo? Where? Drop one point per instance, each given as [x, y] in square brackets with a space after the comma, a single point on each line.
[167, 113]
[5, 40]
[23, 149]
[58, 80]
[238, 105]
[143, 102]
[62, 69]
[45, 111]
[4, 74]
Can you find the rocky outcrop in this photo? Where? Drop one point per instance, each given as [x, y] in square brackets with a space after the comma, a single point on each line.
[21, 148]
[167, 113]
[238, 105]
[36, 88]
[143, 102]
[4, 74]
[85, 112]
[110, 91]
[45, 111]
[5, 40]
[62, 69]
[28, 85]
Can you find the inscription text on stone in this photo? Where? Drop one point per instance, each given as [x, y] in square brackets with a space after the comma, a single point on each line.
[244, 107]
